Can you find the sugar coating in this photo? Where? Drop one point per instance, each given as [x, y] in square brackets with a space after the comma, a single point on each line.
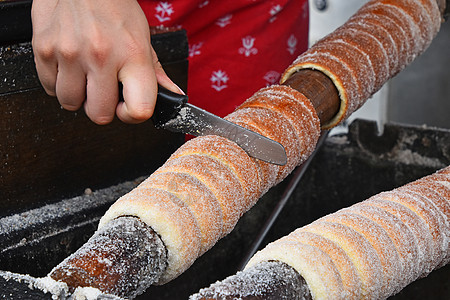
[267, 172]
[362, 52]
[394, 31]
[444, 171]
[439, 195]
[435, 204]
[386, 241]
[314, 265]
[380, 241]
[442, 176]
[430, 214]
[443, 183]
[435, 191]
[419, 20]
[209, 182]
[366, 42]
[170, 218]
[197, 197]
[307, 124]
[274, 126]
[433, 10]
[290, 93]
[385, 37]
[417, 226]
[223, 183]
[123, 258]
[86, 293]
[296, 110]
[404, 21]
[232, 156]
[402, 237]
[259, 281]
[361, 69]
[311, 126]
[419, 16]
[443, 189]
[364, 257]
[390, 33]
[349, 275]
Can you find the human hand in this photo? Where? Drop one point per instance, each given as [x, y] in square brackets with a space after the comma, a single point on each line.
[84, 48]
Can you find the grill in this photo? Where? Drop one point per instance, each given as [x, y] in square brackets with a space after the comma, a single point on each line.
[59, 173]
[347, 169]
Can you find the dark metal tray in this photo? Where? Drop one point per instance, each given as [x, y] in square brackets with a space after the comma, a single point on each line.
[347, 169]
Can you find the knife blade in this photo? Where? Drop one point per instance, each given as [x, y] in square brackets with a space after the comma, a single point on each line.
[174, 113]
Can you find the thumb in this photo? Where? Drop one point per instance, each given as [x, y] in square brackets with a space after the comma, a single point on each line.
[162, 78]
[139, 93]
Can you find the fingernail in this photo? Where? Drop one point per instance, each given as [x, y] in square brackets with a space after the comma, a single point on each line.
[179, 89]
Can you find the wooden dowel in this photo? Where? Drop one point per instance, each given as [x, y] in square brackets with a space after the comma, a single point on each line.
[267, 280]
[319, 89]
[123, 258]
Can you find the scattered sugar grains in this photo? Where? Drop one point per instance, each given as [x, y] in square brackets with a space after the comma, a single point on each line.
[418, 14]
[411, 29]
[218, 178]
[58, 290]
[267, 171]
[383, 36]
[258, 281]
[379, 240]
[296, 108]
[400, 234]
[379, 59]
[418, 228]
[430, 214]
[361, 252]
[131, 275]
[90, 293]
[198, 198]
[86, 293]
[232, 156]
[340, 74]
[350, 279]
[275, 126]
[434, 217]
[394, 34]
[431, 192]
[48, 285]
[359, 65]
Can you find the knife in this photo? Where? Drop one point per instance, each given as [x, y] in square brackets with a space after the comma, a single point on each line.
[174, 113]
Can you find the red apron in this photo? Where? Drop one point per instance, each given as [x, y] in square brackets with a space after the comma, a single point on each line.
[235, 46]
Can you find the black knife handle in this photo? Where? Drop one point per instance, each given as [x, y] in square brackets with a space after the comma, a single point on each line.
[168, 105]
